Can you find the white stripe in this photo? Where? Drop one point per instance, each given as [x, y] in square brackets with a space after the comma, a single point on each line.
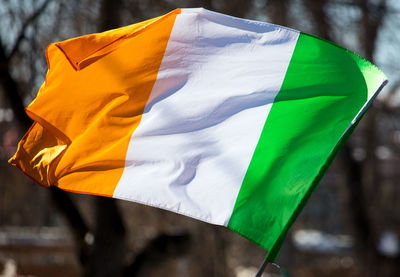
[215, 87]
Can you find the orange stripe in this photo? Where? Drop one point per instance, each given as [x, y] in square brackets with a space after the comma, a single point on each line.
[81, 49]
[36, 153]
[96, 109]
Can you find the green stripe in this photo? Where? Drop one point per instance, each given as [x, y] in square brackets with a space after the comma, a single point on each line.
[325, 87]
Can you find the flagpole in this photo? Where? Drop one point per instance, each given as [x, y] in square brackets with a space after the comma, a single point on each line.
[262, 267]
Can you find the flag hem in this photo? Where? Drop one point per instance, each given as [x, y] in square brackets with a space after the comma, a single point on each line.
[79, 64]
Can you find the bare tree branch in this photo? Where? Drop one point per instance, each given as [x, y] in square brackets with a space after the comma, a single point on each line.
[278, 11]
[25, 25]
[109, 248]
[75, 221]
[61, 199]
[10, 89]
[371, 21]
[320, 18]
[391, 94]
[157, 250]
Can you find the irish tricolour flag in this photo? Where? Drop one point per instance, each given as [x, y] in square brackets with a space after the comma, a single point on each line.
[222, 119]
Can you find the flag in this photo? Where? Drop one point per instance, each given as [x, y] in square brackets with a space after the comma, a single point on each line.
[225, 120]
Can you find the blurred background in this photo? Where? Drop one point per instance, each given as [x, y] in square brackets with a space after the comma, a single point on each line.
[350, 227]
